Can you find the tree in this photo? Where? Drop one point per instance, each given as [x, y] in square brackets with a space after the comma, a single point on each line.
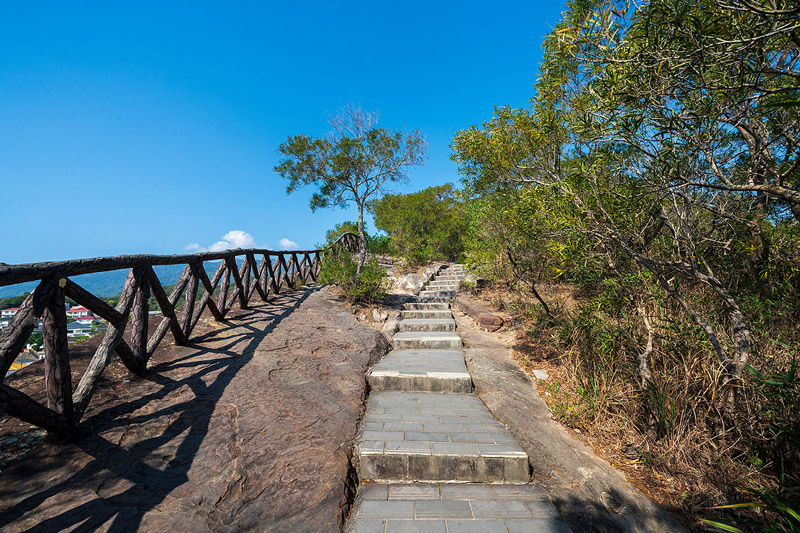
[348, 226]
[424, 225]
[354, 162]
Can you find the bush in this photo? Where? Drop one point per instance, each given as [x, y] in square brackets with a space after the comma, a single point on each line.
[339, 268]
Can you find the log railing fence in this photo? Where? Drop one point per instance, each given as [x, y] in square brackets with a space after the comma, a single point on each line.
[65, 406]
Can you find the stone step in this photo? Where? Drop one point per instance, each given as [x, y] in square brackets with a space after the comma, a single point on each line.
[436, 299]
[436, 294]
[453, 508]
[446, 284]
[425, 340]
[438, 306]
[421, 370]
[448, 277]
[426, 436]
[425, 313]
[427, 324]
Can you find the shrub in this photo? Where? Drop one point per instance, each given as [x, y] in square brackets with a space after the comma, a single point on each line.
[339, 268]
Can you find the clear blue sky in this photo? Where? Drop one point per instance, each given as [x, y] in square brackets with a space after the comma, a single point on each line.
[144, 127]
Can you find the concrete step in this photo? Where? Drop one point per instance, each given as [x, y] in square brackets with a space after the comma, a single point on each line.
[453, 508]
[425, 313]
[449, 277]
[424, 340]
[446, 284]
[427, 324]
[437, 306]
[436, 299]
[425, 436]
[421, 370]
[436, 294]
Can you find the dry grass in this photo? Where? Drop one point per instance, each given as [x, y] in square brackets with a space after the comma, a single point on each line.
[669, 442]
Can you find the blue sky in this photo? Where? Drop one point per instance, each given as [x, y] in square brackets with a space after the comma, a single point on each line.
[146, 127]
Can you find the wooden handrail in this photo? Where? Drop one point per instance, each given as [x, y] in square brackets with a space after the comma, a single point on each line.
[65, 408]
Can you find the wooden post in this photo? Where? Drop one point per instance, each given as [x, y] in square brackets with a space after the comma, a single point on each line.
[245, 291]
[316, 264]
[140, 316]
[57, 375]
[188, 307]
[222, 301]
[263, 277]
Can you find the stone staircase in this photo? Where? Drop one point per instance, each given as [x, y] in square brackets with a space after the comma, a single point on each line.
[425, 430]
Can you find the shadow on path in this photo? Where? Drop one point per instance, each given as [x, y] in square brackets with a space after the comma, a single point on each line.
[171, 417]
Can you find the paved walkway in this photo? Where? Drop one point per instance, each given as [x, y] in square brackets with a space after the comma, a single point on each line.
[431, 457]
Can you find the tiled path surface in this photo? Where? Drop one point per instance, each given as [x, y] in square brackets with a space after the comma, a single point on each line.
[431, 457]
[455, 508]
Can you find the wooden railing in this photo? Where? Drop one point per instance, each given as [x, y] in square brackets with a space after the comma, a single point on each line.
[65, 406]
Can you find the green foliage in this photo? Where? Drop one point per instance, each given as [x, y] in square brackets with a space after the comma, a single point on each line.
[423, 226]
[13, 301]
[340, 229]
[376, 244]
[338, 268]
[655, 174]
[37, 340]
[775, 514]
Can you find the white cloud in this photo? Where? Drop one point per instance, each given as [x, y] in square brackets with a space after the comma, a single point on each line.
[286, 244]
[233, 239]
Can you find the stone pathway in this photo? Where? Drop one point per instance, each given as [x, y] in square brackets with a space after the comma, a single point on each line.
[431, 457]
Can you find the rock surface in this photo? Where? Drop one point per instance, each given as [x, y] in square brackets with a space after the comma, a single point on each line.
[410, 282]
[249, 428]
[478, 311]
[590, 493]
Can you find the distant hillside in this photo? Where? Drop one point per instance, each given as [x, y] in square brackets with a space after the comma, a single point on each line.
[110, 283]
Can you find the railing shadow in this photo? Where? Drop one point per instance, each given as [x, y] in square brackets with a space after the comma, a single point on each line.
[111, 461]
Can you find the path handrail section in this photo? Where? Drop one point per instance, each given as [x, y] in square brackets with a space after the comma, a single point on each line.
[65, 406]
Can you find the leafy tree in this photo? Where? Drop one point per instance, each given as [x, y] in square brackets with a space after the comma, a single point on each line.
[376, 244]
[353, 163]
[658, 168]
[340, 229]
[425, 225]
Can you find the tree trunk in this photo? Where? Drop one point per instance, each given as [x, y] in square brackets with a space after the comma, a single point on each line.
[362, 246]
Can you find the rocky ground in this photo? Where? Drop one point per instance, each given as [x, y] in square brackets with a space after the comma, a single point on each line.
[247, 428]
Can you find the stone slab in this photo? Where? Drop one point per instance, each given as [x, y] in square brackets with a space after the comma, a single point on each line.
[420, 305]
[421, 370]
[421, 340]
[427, 324]
[429, 436]
[425, 313]
[453, 508]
